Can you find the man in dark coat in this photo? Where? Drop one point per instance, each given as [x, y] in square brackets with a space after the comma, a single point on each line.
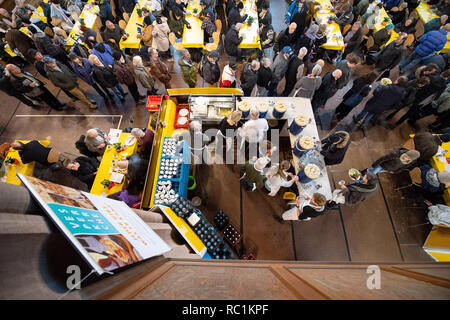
[360, 191]
[327, 89]
[334, 147]
[6, 87]
[286, 38]
[381, 37]
[346, 66]
[385, 97]
[294, 70]
[125, 76]
[235, 17]
[390, 55]
[396, 161]
[83, 168]
[232, 41]
[127, 5]
[249, 77]
[18, 40]
[113, 33]
[210, 70]
[300, 19]
[353, 38]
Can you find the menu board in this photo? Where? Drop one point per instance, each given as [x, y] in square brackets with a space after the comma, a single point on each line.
[106, 232]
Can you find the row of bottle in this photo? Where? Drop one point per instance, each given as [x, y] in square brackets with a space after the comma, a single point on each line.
[221, 220]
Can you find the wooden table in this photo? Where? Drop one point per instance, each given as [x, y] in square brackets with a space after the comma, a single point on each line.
[440, 165]
[25, 169]
[426, 15]
[105, 165]
[132, 42]
[335, 40]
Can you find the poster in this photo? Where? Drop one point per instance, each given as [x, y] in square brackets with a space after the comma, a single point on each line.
[106, 232]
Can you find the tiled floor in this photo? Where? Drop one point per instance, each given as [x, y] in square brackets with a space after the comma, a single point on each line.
[386, 228]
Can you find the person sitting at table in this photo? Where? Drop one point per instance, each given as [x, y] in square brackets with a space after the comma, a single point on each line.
[23, 10]
[208, 26]
[381, 37]
[370, 16]
[156, 8]
[399, 16]
[88, 36]
[409, 26]
[206, 9]
[442, 8]
[59, 37]
[177, 5]
[35, 151]
[353, 38]
[432, 180]
[158, 68]
[435, 24]
[113, 34]
[235, 16]
[84, 168]
[232, 41]
[148, 17]
[96, 140]
[264, 13]
[57, 12]
[146, 37]
[305, 209]
[127, 5]
[106, 77]
[389, 4]
[136, 169]
[345, 15]
[145, 141]
[130, 195]
[177, 24]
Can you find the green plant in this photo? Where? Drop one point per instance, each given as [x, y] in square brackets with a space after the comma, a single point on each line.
[250, 20]
[139, 12]
[106, 183]
[195, 10]
[118, 146]
[386, 19]
[9, 160]
[82, 21]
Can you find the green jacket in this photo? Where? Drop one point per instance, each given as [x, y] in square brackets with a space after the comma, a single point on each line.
[177, 26]
[252, 175]
[188, 73]
[65, 79]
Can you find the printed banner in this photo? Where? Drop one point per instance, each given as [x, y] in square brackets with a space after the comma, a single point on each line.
[106, 232]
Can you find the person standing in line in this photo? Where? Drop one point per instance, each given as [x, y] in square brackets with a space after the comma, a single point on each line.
[249, 77]
[264, 77]
[106, 76]
[327, 89]
[279, 69]
[161, 42]
[158, 68]
[229, 76]
[62, 77]
[294, 71]
[187, 68]
[209, 68]
[307, 85]
[144, 76]
[125, 76]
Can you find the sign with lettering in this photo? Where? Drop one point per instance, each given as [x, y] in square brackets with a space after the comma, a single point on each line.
[106, 232]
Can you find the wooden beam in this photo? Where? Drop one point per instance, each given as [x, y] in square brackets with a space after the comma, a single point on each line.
[300, 288]
[437, 281]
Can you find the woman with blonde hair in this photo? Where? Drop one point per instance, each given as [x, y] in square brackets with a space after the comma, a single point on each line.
[144, 76]
[278, 177]
[228, 127]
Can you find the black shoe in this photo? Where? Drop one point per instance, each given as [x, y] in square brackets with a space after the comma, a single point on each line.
[125, 94]
[279, 219]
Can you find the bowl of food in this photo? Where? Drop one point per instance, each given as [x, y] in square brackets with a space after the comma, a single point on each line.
[354, 174]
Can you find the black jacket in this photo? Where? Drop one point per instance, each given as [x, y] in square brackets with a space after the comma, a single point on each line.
[389, 56]
[356, 193]
[400, 27]
[232, 40]
[234, 17]
[326, 90]
[248, 77]
[264, 77]
[334, 153]
[391, 162]
[291, 74]
[310, 212]
[302, 22]
[86, 170]
[211, 71]
[34, 151]
[355, 41]
[385, 98]
[284, 39]
[105, 76]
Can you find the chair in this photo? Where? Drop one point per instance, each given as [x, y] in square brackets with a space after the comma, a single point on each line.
[122, 24]
[366, 29]
[48, 31]
[370, 42]
[359, 18]
[409, 144]
[126, 17]
[346, 28]
[409, 40]
[394, 9]
[225, 13]
[414, 15]
[420, 30]
[213, 46]
[218, 25]
[174, 43]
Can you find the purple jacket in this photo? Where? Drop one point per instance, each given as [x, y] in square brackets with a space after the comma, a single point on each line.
[124, 196]
[84, 71]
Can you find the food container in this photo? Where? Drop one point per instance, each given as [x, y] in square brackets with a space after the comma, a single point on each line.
[263, 108]
[308, 173]
[299, 123]
[279, 110]
[181, 117]
[244, 106]
[303, 145]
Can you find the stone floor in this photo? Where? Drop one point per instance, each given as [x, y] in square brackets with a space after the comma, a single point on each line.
[385, 228]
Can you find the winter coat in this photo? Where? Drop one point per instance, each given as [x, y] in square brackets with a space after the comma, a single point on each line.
[115, 34]
[45, 45]
[147, 36]
[188, 72]
[389, 56]
[64, 79]
[398, 16]
[431, 42]
[343, 80]
[125, 196]
[335, 153]
[105, 76]
[430, 181]
[306, 86]
[279, 67]
[384, 98]
[427, 144]
[433, 24]
[34, 151]
[106, 57]
[161, 36]
[106, 10]
[18, 40]
[379, 38]
[177, 26]
[356, 193]
[357, 85]
[284, 39]
[209, 26]
[253, 176]
[355, 40]
[85, 71]
[249, 77]
[144, 77]
[232, 41]
[159, 70]
[87, 170]
[293, 8]
[391, 162]
[344, 18]
[234, 17]
[267, 36]
[291, 73]
[302, 22]
[442, 104]
[438, 59]
[128, 5]
[210, 71]
[400, 27]
[264, 77]
[390, 4]
[326, 90]
[123, 73]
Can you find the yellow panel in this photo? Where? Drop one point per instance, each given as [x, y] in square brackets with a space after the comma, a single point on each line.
[439, 237]
[204, 91]
[25, 169]
[103, 170]
[439, 256]
[424, 12]
[132, 41]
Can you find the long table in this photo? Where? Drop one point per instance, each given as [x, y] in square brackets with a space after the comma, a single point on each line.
[440, 164]
[426, 15]
[25, 169]
[335, 40]
[297, 106]
[132, 41]
[250, 33]
[91, 20]
[106, 164]
[380, 24]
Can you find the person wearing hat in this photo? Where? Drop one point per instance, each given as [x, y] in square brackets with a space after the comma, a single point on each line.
[334, 147]
[252, 175]
[229, 76]
[62, 77]
[84, 168]
[209, 68]
[279, 68]
[84, 70]
[398, 160]
[188, 72]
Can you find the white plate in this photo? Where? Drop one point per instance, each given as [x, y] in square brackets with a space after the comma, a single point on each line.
[129, 141]
[182, 120]
[183, 112]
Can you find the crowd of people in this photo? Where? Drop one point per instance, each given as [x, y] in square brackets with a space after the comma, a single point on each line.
[291, 62]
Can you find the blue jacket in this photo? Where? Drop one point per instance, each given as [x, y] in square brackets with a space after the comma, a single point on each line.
[84, 72]
[106, 58]
[390, 3]
[293, 8]
[431, 42]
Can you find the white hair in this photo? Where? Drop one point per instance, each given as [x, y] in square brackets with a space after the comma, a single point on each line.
[255, 64]
[317, 70]
[184, 52]
[137, 133]
[302, 52]
[137, 61]
[266, 62]
[254, 112]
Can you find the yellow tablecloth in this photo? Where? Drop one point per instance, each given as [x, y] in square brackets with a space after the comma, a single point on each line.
[440, 166]
[333, 32]
[132, 41]
[379, 24]
[25, 169]
[250, 33]
[193, 38]
[90, 17]
[105, 165]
